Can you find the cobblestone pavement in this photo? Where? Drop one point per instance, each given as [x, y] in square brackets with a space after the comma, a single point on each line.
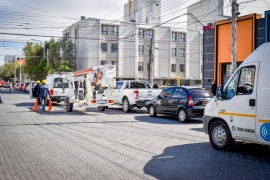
[88, 144]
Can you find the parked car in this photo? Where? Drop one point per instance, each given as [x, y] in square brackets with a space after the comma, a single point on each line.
[27, 88]
[24, 87]
[184, 101]
[16, 86]
[20, 87]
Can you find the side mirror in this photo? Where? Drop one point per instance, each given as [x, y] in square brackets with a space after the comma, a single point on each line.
[219, 93]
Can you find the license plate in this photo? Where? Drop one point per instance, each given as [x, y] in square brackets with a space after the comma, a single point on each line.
[205, 103]
[102, 101]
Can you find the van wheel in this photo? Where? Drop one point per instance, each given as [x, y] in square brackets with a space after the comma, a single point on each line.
[220, 136]
[69, 106]
[126, 106]
[182, 115]
[152, 111]
[101, 108]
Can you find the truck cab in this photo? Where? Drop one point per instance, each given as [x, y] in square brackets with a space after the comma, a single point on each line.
[241, 108]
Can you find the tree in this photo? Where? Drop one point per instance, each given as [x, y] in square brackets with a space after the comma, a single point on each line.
[33, 61]
[7, 71]
[61, 57]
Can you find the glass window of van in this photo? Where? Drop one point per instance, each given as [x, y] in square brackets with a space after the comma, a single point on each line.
[230, 90]
[246, 80]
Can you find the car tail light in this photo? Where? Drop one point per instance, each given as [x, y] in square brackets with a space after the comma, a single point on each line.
[51, 92]
[136, 94]
[190, 101]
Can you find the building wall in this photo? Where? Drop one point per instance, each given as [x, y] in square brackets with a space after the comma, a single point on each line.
[223, 41]
[89, 38]
[206, 11]
[208, 58]
[148, 11]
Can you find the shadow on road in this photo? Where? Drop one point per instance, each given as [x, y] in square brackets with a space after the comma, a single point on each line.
[201, 161]
[163, 119]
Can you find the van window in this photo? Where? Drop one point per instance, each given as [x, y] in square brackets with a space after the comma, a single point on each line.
[58, 83]
[246, 81]
[230, 90]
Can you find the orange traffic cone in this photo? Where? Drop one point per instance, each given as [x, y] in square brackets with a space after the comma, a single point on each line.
[35, 108]
[50, 105]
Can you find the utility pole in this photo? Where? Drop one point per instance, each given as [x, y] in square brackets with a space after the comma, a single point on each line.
[235, 13]
[150, 61]
[136, 46]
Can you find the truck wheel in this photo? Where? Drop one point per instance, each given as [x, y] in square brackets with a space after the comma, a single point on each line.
[101, 108]
[182, 115]
[220, 136]
[152, 111]
[69, 106]
[126, 106]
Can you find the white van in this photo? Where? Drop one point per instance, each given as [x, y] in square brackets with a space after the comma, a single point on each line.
[241, 109]
[58, 89]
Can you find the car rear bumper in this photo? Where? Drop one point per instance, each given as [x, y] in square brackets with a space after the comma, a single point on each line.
[142, 103]
[195, 111]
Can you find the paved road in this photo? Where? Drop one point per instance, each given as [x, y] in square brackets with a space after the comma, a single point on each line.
[87, 144]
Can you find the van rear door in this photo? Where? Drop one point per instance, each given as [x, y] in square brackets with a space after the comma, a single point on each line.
[60, 88]
[32, 92]
[238, 107]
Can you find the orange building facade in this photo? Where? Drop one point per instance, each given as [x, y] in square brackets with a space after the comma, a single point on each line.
[245, 45]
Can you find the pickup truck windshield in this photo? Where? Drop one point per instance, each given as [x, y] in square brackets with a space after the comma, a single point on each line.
[58, 83]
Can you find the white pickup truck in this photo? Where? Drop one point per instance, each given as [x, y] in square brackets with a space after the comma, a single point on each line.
[132, 94]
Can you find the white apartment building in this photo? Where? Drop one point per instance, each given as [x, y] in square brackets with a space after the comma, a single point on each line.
[147, 11]
[101, 41]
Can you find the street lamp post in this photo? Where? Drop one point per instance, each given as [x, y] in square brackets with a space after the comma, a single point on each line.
[43, 51]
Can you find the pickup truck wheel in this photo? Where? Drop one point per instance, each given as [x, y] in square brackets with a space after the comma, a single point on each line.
[152, 111]
[220, 136]
[69, 106]
[126, 106]
[101, 108]
[182, 115]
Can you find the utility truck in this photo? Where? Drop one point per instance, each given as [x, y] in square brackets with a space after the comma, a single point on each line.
[86, 87]
[241, 109]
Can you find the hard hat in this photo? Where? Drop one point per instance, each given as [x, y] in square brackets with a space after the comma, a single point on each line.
[38, 81]
[43, 81]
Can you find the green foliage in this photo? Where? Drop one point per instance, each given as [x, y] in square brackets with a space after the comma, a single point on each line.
[7, 71]
[59, 53]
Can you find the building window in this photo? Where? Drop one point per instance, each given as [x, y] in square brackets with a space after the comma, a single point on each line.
[173, 68]
[103, 62]
[114, 47]
[182, 37]
[114, 63]
[140, 66]
[103, 47]
[115, 30]
[104, 29]
[182, 52]
[174, 37]
[182, 68]
[173, 51]
[150, 34]
[141, 33]
[141, 49]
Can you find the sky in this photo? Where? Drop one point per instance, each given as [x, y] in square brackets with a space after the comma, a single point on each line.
[47, 18]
